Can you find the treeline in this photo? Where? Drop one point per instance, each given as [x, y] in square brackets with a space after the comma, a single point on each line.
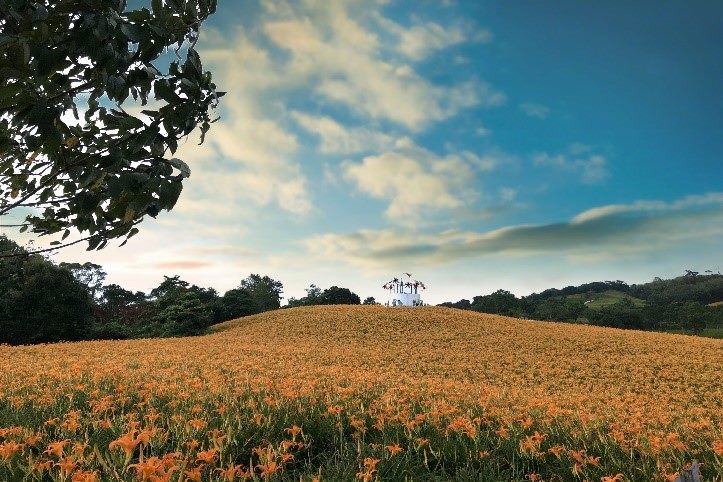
[42, 302]
[330, 296]
[674, 304]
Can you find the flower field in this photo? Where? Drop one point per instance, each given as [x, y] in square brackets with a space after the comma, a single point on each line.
[366, 393]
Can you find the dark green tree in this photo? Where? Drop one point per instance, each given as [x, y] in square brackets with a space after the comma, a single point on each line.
[169, 286]
[89, 274]
[39, 301]
[500, 302]
[339, 296]
[120, 313]
[462, 304]
[264, 291]
[179, 308]
[622, 314]
[184, 314]
[693, 316]
[369, 301]
[236, 303]
[93, 102]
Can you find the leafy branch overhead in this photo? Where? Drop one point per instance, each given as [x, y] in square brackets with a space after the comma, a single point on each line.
[94, 99]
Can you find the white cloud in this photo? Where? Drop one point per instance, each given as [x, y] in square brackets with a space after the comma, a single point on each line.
[420, 40]
[592, 168]
[537, 111]
[339, 139]
[343, 61]
[249, 155]
[333, 55]
[416, 182]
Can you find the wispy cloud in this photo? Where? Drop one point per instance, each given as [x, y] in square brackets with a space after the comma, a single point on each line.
[339, 55]
[537, 111]
[643, 225]
[332, 53]
[182, 264]
[337, 138]
[577, 158]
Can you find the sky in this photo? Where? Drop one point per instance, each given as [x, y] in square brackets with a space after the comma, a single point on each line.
[476, 145]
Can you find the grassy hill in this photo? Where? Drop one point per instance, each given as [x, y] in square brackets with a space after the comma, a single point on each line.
[605, 298]
[367, 393]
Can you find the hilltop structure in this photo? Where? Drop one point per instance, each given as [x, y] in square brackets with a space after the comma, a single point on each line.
[404, 293]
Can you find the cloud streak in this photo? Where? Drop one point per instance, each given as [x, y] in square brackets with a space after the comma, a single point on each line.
[641, 226]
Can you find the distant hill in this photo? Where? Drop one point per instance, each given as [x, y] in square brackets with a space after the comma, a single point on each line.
[606, 298]
[684, 304]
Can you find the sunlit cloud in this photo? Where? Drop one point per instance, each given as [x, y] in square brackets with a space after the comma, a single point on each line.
[417, 182]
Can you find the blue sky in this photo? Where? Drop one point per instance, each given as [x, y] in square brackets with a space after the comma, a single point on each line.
[478, 145]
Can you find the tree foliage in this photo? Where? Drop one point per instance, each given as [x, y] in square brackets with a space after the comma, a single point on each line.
[264, 291]
[89, 274]
[330, 296]
[93, 103]
[39, 301]
[339, 296]
[664, 304]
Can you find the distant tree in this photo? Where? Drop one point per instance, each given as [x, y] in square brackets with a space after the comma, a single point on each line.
[89, 274]
[313, 295]
[550, 309]
[264, 291]
[370, 301]
[461, 304]
[179, 308]
[115, 295]
[500, 302]
[103, 173]
[339, 296]
[185, 314]
[120, 313]
[621, 314]
[294, 302]
[236, 303]
[169, 286]
[693, 316]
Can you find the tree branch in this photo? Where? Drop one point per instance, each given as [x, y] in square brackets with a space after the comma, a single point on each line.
[44, 250]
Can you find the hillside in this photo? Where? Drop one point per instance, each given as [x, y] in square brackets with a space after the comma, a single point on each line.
[605, 298]
[482, 394]
[481, 348]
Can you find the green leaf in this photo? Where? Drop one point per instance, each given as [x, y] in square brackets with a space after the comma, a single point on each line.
[132, 31]
[181, 166]
[168, 195]
[7, 93]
